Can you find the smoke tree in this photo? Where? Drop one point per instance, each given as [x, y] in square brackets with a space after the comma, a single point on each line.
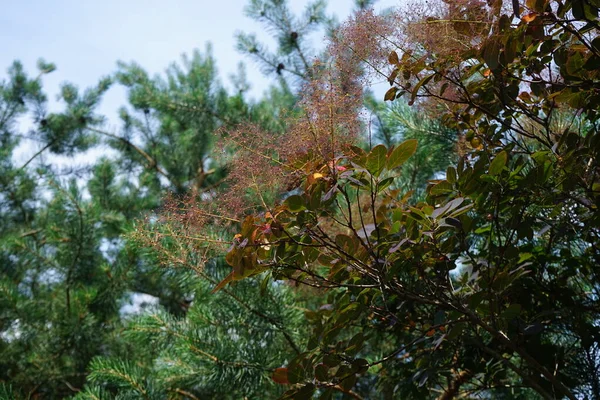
[489, 285]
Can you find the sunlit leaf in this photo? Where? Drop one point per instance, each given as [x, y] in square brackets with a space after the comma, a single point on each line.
[402, 153]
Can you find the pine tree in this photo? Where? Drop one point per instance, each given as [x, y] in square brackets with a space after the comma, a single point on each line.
[54, 296]
[67, 264]
[227, 346]
[294, 56]
[77, 242]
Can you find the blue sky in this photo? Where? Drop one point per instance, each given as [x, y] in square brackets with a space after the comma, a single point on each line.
[85, 39]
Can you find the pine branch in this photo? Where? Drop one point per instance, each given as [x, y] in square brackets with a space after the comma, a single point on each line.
[39, 152]
[152, 164]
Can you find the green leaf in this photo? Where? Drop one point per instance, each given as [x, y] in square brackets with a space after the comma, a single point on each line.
[443, 88]
[524, 257]
[402, 153]
[376, 160]
[295, 203]
[475, 300]
[264, 284]
[348, 382]
[441, 188]
[331, 360]
[497, 165]
[321, 373]
[578, 9]
[575, 62]
[295, 372]
[456, 331]
[384, 184]
[315, 197]
[418, 86]
[511, 312]
[360, 365]
[451, 174]
[592, 63]
[355, 344]
[461, 210]
[417, 214]
[305, 393]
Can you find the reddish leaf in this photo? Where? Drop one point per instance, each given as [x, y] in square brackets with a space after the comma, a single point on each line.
[280, 375]
[529, 17]
[390, 95]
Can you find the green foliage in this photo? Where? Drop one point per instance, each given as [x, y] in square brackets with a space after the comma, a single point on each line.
[293, 55]
[234, 339]
[456, 256]
[487, 287]
[49, 331]
[437, 148]
[68, 263]
[6, 392]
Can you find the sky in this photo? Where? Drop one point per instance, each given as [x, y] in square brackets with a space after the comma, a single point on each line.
[85, 38]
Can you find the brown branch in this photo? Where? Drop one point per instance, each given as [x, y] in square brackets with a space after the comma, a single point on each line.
[36, 155]
[454, 387]
[152, 163]
[186, 393]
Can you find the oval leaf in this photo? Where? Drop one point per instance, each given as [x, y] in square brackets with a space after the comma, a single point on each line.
[321, 373]
[491, 50]
[441, 188]
[498, 164]
[511, 312]
[400, 154]
[376, 159]
[280, 375]
[295, 203]
[390, 95]
[415, 90]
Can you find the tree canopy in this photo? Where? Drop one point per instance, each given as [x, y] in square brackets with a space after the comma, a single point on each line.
[488, 286]
[442, 245]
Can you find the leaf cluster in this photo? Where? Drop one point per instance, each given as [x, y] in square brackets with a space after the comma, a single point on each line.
[488, 285]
